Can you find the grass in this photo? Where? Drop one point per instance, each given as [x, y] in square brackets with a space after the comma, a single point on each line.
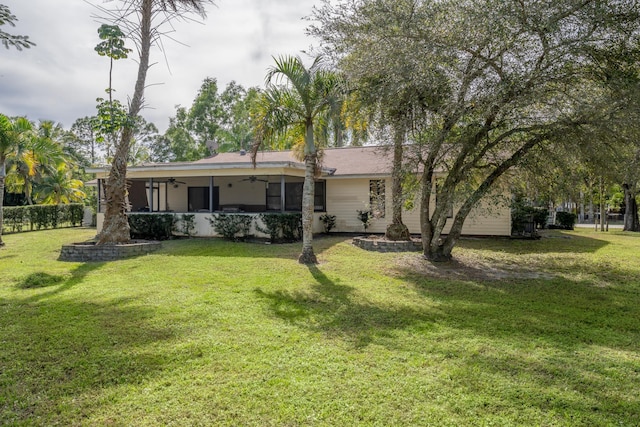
[207, 332]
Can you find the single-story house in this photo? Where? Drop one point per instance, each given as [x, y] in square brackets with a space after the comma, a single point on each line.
[351, 179]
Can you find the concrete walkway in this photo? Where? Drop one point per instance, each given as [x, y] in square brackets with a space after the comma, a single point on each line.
[592, 226]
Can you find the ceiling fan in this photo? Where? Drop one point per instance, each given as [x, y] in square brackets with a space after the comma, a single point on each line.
[173, 181]
[254, 178]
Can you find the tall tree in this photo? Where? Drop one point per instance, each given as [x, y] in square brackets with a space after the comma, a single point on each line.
[83, 140]
[142, 19]
[13, 133]
[180, 144]
[206, 115]
[59, 186]
[19, 42]
[39, 154]
[496, 79]
[298, 97]
[618, 65]
[223, 119]
[237, 130]
[112, 116]
[145, 137]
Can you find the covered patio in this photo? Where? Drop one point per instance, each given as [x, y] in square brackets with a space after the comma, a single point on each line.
[225, 183]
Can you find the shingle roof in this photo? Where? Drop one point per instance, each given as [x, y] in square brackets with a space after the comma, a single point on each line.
[345, 161]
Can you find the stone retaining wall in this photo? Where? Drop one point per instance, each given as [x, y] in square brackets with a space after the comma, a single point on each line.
[381, 245]
[82, 252]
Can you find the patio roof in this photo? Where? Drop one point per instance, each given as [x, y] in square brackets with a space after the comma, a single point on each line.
[338, 162]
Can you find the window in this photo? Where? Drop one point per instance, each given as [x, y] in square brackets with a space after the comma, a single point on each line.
[377, 197]
[198, 198]
[293, 196]
[273, 197]
[320, 197]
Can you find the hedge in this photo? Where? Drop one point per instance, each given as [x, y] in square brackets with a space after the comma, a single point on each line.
[37, 217]
[281, 227]
[232, 226]
[151, 226]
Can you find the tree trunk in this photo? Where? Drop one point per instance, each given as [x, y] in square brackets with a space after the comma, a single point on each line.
[436, 248]
[631, 222]
[308, 195]
[116, 226]
[307, 256]
[602, 212]
[2, 176]
[397, 230]
[426, 227]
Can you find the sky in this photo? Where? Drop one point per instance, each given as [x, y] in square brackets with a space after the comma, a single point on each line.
[60, 78]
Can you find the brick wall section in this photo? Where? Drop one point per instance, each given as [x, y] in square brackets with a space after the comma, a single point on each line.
[379, 245]
[82, 252]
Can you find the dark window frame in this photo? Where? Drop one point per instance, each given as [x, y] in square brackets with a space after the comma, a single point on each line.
[293, 196]
[190, 199]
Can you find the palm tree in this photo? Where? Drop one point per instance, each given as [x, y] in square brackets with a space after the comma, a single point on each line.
[35, 157]
[60, 187]
[137, 16]
[13, 133]
[297, 98]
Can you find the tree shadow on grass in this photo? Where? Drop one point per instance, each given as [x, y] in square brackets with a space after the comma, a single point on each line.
[507, 347]
[218, 247]
[566, 312]
[333, 309]
[41, 279]
[55, 352]
[552, 241]
[573, 342]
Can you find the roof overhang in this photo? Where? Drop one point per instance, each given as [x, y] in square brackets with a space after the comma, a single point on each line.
[232, 168]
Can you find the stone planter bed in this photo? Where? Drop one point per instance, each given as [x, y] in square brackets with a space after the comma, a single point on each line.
[380, 244]
[88, 251]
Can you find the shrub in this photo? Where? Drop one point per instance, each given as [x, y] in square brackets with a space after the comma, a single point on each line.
[281, 227]
[566, 220]
[232, 226]
[365, 218]
[43, 216]
[186, 224]
[151, 226]
[38, 217]
[522, 214]
[329, 222]
[74, 213]
[540, 217]
[14, 218]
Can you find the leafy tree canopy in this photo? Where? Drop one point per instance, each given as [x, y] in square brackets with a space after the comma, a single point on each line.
[482, 83]
[10, 40]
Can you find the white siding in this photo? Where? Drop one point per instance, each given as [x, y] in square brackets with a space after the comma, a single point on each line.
[346, 196]
[203, 226]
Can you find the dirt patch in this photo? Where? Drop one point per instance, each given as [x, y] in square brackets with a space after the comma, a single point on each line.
[465, 267]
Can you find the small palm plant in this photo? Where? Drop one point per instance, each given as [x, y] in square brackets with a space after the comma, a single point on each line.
[365, 217]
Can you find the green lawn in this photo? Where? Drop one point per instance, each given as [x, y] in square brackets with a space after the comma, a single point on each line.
[207, 332]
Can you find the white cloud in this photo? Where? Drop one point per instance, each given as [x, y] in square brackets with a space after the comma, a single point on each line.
[61, 77]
